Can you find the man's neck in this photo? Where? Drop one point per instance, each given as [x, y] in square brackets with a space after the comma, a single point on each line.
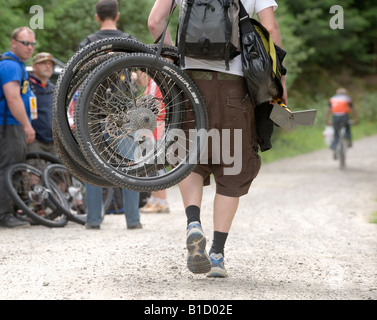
[42, 80]
[108, 25]
[17, 56]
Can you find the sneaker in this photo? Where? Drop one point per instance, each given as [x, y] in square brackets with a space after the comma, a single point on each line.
[10, 221]
[155, 208]
[197, 259]
[217, 266]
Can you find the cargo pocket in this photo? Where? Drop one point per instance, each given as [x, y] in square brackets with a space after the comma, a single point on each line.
[237, 114]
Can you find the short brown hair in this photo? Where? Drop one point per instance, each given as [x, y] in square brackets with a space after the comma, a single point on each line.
[107, 9]
[17, 31]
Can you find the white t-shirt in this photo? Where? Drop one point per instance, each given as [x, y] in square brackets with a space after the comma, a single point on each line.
[235, 65]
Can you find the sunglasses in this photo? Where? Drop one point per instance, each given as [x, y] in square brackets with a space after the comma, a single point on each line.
[26, 43]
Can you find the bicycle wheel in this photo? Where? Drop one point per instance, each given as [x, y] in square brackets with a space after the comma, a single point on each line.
[115, 127]
[57, 176]
[25, 187]
[44, 158]
[75, 72]
[342, 153]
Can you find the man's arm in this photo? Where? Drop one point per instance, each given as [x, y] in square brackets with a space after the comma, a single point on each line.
[268, 20]
[17, 108]
[157, 20]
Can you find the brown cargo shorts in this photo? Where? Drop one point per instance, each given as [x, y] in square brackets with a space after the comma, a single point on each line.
[232, 156]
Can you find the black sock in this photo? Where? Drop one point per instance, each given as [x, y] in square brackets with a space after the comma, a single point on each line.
[192, 214]
[218, 244]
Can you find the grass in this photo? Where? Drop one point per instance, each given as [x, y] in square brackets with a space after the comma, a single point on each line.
[374, 217]
[306, 139]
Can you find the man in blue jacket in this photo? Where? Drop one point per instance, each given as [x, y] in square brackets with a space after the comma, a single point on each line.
[43, 88]
[17, 100]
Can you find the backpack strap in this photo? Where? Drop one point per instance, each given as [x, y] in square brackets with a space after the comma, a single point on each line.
[182, 39]
[162, 35]
[245, 24]
[228, 30]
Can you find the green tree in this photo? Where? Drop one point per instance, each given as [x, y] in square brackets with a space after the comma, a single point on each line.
[334, 48]
[12, 16]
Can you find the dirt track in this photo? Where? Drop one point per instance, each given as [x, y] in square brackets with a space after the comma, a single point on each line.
[301, 233]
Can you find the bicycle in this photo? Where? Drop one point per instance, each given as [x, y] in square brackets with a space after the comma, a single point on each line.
[343, 143]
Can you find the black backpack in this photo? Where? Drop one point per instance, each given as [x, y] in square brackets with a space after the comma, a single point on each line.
[208, 29]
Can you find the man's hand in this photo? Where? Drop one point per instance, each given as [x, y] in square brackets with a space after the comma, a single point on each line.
[30, 134]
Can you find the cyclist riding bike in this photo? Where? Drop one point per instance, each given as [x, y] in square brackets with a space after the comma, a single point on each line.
[340, 106]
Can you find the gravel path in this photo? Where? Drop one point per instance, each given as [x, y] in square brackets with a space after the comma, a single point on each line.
[303, 232]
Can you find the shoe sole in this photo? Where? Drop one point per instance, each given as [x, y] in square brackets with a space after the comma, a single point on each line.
[198, 259]
[217, 273]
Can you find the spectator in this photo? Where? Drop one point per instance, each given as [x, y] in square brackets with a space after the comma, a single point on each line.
[157, 203]
[107, 15]
[43, 88]
[17, 102]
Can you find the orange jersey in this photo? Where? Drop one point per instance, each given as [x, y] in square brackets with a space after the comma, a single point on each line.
[154, 90]
[340, 104]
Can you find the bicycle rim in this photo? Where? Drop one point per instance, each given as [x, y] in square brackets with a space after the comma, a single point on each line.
[117, 127]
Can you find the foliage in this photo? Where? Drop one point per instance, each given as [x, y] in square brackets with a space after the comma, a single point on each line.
[319, 58]
[355, 45]
[374, 217]
[67, 22]
[307, 35]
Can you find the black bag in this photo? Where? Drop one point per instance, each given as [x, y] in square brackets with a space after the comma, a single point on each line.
[209, 30]
[261, 61]
[262, 67]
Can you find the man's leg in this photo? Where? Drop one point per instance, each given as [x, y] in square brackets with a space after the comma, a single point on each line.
[224, 211]
[94, 206]
[131, 208]
[192, 190]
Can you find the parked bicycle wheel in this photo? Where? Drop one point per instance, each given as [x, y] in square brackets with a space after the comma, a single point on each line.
[57, 176]
[44, 158]
[25, 186]
[115, 127]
